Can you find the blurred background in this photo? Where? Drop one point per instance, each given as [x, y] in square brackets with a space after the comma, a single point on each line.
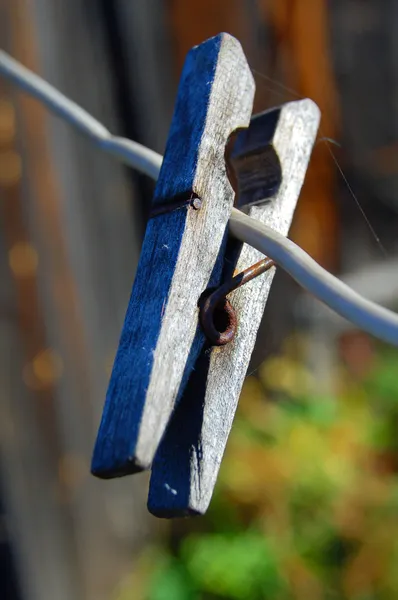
[306, 506]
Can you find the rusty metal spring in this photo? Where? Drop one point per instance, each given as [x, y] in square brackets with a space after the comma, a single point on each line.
[217, 315]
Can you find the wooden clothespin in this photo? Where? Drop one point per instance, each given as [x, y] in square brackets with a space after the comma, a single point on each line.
[270, 160]
[173, 393]
[181, 256]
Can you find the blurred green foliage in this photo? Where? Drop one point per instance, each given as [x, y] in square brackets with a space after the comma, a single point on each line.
[306, 505]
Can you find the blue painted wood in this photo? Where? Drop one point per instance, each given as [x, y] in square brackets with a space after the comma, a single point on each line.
[181, 255]
[178, 171]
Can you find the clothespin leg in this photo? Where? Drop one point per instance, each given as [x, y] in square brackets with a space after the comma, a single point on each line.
[185, 237]
[271, 157]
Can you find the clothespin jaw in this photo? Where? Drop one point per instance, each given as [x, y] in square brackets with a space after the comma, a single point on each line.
[181, 256]
[270, 159]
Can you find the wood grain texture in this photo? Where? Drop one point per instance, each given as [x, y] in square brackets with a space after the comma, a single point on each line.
[185, 468]
[161, 339]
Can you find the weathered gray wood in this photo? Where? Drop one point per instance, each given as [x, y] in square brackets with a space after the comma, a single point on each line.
[187, 463]
[180, 257]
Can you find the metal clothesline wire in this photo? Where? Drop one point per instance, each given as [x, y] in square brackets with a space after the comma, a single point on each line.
[130, 153]
[376, 320]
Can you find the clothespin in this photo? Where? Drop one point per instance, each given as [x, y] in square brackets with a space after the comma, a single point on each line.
[182, 359]
[181, 256]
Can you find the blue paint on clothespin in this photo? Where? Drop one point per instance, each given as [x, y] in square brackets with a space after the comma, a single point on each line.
[181, 256]
[180, 162]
